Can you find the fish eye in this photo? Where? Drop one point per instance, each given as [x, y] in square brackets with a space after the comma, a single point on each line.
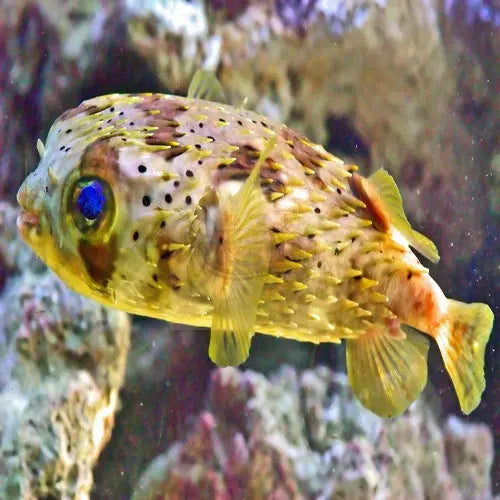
[91, 205]
[91, 200]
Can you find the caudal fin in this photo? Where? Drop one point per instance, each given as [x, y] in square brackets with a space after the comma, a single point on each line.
[462, 339]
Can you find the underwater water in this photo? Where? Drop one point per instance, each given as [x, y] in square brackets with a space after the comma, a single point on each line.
[96, 403]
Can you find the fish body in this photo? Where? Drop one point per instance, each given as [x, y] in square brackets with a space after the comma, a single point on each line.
[201, 213]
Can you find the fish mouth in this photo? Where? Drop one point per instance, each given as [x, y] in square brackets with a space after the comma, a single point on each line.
[27, 223]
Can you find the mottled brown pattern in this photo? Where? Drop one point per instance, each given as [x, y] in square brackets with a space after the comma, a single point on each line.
[89, 109]
[100, 159]
[99, 259]
[246, 158]
[373, 205]
[165, 110]
[304, 153]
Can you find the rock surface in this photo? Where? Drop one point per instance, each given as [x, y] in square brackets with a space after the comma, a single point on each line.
[302, 435]
[62, 363]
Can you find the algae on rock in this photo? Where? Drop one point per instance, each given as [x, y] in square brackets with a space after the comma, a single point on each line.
[62, 362]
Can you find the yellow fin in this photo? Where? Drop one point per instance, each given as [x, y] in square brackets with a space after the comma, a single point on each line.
[388, 191]
[462, 339]
[245, 255]
[387, 373]
[205, 85]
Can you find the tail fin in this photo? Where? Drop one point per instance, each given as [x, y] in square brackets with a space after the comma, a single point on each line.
[462, 340]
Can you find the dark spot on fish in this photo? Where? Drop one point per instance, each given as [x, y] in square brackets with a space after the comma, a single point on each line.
[155, 278]
[46, 189]
[200, 125]
[211, 137]
[67, 149]
[176, 183]
[337, 251]
[163, 224]
[68, 131]
[188, 200]
[124, 139]
[410, 274]
[339, 191]
[200, 162]
[197, 146]
[220, 166]
[274, 229]
[221, 240]
[345, 215]
[131, 124]
[61, 148]
[111, 109]
[142, 168]
[189, 173]
[109, 121]
[319, 264]
[99, 128]
[121, 113]
[358, 277]
[168, 198]
[135, 236]
[264, 124]
[146, 200]
[317, 210]
[222, 120]
[166, 254]
[99, 259]
[310, 236]
[254, 121]
[240, 122]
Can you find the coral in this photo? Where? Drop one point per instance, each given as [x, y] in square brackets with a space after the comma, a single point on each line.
[62, 362]
[302, 435]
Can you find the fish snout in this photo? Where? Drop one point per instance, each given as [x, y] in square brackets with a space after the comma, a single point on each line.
[30, 216]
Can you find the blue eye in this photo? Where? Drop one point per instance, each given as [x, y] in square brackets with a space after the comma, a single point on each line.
[91, 200]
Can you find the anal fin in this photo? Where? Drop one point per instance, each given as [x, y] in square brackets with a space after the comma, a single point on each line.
[387, 373]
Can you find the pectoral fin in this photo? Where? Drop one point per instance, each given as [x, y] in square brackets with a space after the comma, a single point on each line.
[387, 372]
[205, 85]
[242, 266]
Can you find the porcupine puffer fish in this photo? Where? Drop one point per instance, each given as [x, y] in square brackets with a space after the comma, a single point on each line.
[201, 213]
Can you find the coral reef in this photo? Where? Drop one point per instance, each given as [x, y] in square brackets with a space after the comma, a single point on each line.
[62, 360]
[302, 435]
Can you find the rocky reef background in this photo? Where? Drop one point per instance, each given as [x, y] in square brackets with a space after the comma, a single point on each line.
[408, 85]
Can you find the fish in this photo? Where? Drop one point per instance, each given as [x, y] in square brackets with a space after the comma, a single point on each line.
[193, 211]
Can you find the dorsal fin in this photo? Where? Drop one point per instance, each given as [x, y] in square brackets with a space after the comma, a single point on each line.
[381, 195]
[205, 85]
